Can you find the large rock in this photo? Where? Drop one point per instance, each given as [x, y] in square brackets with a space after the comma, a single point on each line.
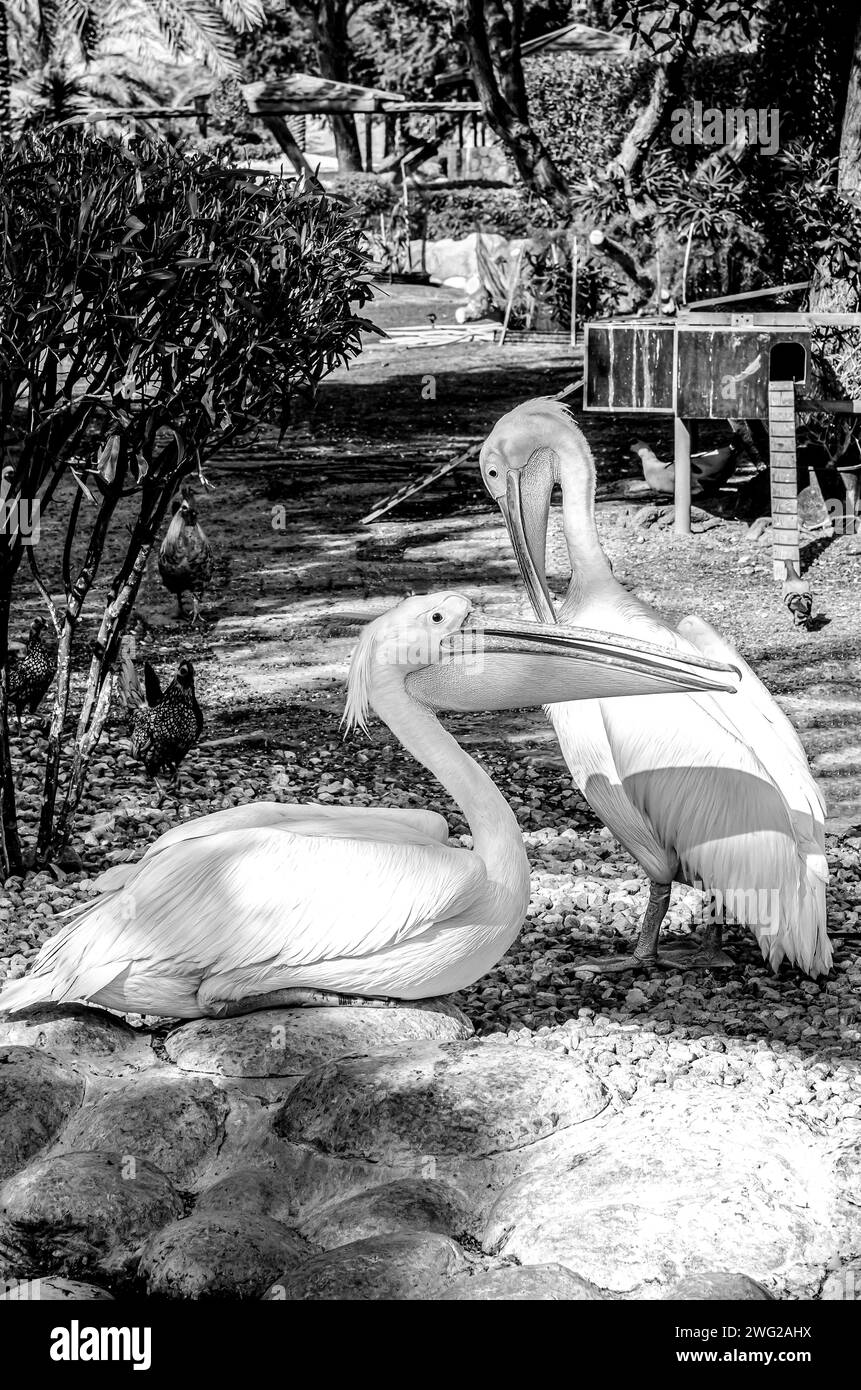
[384, 1267]
[717, 1285]
[81, 1212]
[37, 1095]
[691, 1183]
[260, 1191]
[219, 1254]
[291, 1042]
[55, 1291]
[413, 1204]
[433, 1099]
[99, 1039]
[520, 1282]
[162, 1117]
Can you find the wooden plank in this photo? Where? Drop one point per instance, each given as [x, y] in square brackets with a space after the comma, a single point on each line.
[750, 294]
[852, 407]
[784, 477]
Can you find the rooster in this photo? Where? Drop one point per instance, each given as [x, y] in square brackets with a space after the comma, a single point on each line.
[185, 557]
[168, 724]
[30, 675]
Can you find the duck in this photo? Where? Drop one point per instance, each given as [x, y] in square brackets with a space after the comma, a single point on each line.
[273, 905]
[699, 789]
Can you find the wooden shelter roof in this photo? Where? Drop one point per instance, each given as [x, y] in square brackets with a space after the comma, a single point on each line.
[572, 38]
[304, 94]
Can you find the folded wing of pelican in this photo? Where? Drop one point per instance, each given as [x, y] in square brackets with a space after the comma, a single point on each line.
[269, 904]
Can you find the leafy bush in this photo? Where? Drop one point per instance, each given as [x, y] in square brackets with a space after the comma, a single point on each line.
[365, 196]
[153, 308]
[455, 212]
[582, 107]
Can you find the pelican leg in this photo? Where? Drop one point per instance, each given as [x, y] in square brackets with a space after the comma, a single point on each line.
[645, 953]
[705, 953]
[296, 999]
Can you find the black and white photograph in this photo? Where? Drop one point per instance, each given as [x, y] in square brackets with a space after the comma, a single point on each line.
[430, 730]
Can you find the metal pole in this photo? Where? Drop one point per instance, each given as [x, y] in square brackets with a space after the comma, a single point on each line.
[682, 440]
[515, 277]
[575, 252]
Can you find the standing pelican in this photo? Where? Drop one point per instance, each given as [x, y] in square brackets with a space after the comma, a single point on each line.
[271, 904]
[699, 789]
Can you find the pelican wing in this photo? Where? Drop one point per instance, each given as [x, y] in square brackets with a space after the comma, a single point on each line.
[778, 746]
[340, 822]
[718, 787]
[233, 913]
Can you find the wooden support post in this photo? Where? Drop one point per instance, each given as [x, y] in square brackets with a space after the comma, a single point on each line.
[682, 457]
[784, 478]
[369, 144]
[850, 479]
[284, 135]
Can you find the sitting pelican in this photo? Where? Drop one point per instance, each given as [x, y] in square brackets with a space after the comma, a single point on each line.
[270, 904]
[699, 789]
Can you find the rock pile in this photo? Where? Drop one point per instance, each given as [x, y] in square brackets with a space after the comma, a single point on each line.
[340, 1153]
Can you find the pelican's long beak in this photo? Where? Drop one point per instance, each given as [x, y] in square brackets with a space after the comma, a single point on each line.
[521, 665]
[526, 509]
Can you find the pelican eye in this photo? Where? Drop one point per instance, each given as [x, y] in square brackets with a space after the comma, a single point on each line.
[491, 473]
[436, 617]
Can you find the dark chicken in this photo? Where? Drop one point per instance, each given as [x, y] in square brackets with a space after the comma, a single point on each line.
[30, 674]
[169, 724]
[185, 557]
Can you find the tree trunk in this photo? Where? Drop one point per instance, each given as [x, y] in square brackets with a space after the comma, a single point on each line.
[836, 373]
[329, 30]
[506, 114]
[11, 861]
[5, 79]
[850, 138]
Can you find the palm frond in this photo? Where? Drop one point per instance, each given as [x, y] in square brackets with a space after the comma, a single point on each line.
[197, 29]
[242, 15]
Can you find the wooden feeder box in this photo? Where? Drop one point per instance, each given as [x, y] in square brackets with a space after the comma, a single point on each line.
[714, 365]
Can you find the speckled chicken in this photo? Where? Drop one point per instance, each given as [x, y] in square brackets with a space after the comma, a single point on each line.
[169, 724]
[797, 596]
[185, 556]
[31, 673]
